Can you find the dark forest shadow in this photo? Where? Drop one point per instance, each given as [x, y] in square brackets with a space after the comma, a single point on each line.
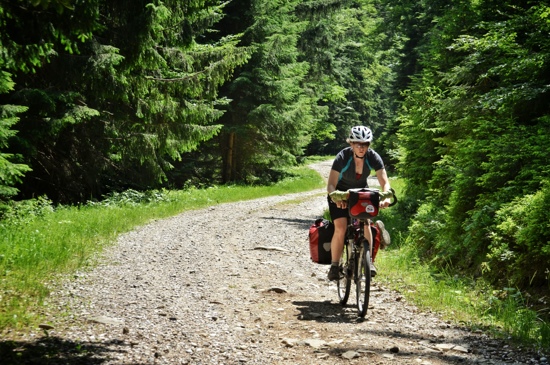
[54, 350]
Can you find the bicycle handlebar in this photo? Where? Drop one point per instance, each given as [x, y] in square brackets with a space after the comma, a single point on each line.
[338, 195]
[392, 195]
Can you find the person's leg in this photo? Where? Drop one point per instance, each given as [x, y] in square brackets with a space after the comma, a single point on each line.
[339, 219]
[368, 236]
[337, 242]
[368, 233]
[336, 247]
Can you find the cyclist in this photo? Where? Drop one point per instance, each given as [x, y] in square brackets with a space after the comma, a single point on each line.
[350, 170]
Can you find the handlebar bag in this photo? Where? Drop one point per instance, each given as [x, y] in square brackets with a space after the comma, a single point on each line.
[320, 235]
[363, 203]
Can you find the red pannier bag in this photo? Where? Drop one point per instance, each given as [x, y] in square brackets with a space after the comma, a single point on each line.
[363, 203]
[320, 235]
[376, 238]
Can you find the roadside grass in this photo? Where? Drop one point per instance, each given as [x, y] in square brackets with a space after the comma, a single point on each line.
[44, 244]
[467, 301]
[501, 312]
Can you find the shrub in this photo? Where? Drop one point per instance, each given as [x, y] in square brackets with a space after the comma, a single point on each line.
[520, 245]
[17, 212]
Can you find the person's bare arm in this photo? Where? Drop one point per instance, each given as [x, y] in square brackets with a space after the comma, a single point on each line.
[384, 185]
[332, 181]
[331, 186]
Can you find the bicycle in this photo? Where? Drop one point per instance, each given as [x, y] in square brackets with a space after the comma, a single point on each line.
[355, 263]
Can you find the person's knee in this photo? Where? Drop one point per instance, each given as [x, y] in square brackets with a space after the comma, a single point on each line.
[340, 223]
[339, 231]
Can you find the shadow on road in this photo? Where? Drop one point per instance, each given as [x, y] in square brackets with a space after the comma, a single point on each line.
[391, 343]
[326, 312]
[301, 223]
[55, 350]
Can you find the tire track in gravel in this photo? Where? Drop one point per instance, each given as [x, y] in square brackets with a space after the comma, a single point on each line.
[234, 284]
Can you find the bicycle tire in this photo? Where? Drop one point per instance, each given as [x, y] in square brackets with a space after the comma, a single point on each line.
[344, 282]
[363, 281]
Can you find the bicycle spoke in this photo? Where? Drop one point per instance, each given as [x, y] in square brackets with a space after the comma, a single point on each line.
[344, 283]
[363, 283]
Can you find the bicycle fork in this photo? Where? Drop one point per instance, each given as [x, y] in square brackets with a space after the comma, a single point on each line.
[357, 249]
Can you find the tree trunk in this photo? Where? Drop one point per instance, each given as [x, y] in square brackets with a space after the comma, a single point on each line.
[229, 168]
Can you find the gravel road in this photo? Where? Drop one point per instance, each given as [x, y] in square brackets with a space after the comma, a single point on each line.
[234, 284]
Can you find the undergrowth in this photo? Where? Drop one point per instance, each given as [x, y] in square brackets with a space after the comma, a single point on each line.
[504, 312]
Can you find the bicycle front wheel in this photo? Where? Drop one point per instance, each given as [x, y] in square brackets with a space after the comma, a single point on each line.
[344, 281]
[362, 282]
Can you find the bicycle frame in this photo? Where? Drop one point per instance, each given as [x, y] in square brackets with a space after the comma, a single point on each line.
[355, 266]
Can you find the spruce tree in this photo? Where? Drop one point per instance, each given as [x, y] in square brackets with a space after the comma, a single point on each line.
[267, 123]
[136, 93]
[350, 69]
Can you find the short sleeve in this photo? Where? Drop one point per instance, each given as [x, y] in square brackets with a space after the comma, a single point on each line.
[375, 160]
[339, 161]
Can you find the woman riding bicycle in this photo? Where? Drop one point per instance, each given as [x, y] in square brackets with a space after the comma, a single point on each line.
[350, 170]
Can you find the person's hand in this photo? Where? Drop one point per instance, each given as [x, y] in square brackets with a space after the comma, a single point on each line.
[342, 204]
[339, 198]
[385, 203]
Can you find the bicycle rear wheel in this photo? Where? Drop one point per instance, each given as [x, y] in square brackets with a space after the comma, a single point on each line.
[362, 283]
[344, 282]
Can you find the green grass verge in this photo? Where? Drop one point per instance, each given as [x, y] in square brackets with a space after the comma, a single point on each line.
[472, 303]
[34, 252]
[467, 301]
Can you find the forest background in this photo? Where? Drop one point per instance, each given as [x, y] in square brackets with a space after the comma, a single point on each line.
[98, 97]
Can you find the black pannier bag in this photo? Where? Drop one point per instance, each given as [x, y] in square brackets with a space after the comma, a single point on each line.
[320, 235]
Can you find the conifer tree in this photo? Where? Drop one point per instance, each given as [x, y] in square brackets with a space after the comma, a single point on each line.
[350, 72]
[138, 92]
[267, 123]
[31, 34]
[474, 131]
[11, 172]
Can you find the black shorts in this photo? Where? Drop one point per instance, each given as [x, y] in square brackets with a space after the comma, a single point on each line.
[336, 212]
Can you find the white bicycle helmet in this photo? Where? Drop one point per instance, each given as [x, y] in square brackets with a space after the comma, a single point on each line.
[360, 134]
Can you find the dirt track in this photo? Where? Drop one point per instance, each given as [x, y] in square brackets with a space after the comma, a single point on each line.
[233, 284]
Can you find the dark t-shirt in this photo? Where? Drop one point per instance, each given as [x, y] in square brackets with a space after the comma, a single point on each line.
[343, 163]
